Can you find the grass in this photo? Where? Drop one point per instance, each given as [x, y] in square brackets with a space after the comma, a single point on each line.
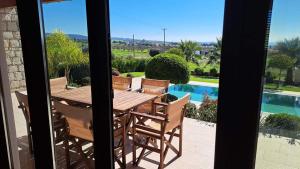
[126, 53]
[134, 74]
[202, 79]
[273, 86]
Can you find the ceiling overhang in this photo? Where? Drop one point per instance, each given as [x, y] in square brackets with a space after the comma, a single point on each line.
[11, 3]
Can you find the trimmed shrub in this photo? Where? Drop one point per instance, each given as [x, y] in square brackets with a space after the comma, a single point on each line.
[213, 72]
[282, 121]
[208, 110]
[154, 52]
[198, 71]
[167, 66]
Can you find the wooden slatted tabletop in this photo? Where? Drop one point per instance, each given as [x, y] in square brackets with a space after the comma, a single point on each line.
[123, 100]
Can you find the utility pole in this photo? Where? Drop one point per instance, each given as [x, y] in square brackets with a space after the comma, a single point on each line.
[133, 45]
[164, 29]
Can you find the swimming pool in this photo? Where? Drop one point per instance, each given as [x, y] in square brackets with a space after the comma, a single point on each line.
[271, 102]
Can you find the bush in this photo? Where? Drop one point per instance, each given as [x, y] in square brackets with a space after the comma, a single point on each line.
[115, 72]
[269, 77]
[213, 72]
[176, 51]
[282, 121]
[198, 71]
[129, 65]
[168, 67]
[208, 110]
[191, 111]
[154, 52]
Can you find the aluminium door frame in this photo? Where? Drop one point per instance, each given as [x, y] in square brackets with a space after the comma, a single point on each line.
[243, 60]
[245, 34]
[37, 83]
[98, 24]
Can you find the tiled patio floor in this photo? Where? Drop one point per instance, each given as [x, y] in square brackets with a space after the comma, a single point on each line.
[198, 148]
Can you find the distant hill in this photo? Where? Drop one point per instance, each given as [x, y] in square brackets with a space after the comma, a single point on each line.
[85, 38]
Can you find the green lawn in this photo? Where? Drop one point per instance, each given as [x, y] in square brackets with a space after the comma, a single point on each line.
[134, 74]
[201, 79]
[214, 80]
[126, 53]
[273, 86]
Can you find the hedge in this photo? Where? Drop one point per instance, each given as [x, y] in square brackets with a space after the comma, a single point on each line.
[124, 65]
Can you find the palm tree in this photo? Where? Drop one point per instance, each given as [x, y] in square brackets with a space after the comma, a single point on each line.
[189, 49]
[215, 55]
[291, 48]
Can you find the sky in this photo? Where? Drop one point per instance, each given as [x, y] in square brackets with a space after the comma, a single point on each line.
[197, 20]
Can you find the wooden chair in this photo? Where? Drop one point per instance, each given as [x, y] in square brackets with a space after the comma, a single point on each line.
[80, 131]
[162, 124]
[57, 123]
[155, 87]
[24, 106]
[58, 84]
[120, 138]
[121, 83]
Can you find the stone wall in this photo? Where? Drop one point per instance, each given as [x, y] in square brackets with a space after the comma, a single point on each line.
[12, 44]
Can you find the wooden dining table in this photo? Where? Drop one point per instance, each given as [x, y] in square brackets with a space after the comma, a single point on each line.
[123, 101]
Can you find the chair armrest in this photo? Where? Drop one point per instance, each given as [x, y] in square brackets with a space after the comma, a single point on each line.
[70, 87]
[158, 118]
[161, 103]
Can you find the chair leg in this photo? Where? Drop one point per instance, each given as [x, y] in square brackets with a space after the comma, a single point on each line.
[67, 155]
[133, 143]
[180, 140]
[161, 154]
[124, 147]
[170, 140]
[29, 137]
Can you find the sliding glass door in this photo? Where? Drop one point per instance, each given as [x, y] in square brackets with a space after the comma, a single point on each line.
[62, 74]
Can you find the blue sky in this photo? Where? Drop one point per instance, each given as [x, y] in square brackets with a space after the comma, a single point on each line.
[198, 20]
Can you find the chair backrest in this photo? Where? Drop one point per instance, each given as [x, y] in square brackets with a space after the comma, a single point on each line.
[175, 112]
[58, 84]
[23, 104]
[79, 120]
[121, 83]
[153, 86]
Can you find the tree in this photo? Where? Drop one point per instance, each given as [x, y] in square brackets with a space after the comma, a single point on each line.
[215, 55]
[176, 51]
[281, 62]
[63, 53]
[189, 49]
[291, 48]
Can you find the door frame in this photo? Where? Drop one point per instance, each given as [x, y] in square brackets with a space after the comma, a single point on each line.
[245, 33]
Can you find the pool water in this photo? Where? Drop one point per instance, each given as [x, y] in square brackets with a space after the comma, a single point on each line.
[272, 103]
